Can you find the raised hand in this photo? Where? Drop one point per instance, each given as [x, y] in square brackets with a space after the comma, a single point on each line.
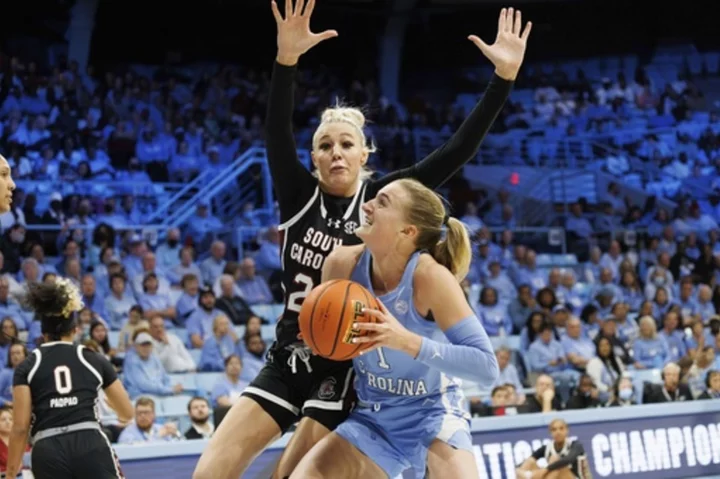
[508, 51]
[294, 34]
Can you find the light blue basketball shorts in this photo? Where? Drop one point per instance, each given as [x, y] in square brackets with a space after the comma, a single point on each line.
[397, 438]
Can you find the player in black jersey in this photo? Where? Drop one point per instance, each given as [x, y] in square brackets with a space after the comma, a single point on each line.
[319, 212]
[55, 394]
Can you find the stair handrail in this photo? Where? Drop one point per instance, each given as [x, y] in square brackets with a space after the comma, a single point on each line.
[195, 183]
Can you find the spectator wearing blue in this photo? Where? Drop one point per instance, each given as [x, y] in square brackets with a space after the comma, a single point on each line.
[16, 354]
[149, 265]
[168, 253]
[546, 355]
[143, 373]
[8, 334]
[579, 350]
[649, 350]
[156, 303]
[254, 357]
[187, 303]
[508, 371]
[213, 266]
[254, 288]
[592, 267]
[705, 306]
[631, 292]
[219, 346]
[493, 315]
[117, 303]
[8, 307]
[187, 266]
[531, 274]
[626, 327]
[201, 228]
[133, 261]
[199, 325]
[520, 308]
[673, 336]
[227, 389]
[499, 280]
[267, 259]
[90, 296]
[144, 429]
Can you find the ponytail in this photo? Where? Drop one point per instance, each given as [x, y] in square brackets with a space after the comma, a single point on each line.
[454, 251]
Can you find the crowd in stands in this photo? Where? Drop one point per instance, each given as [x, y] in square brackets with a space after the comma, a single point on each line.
[161, 308]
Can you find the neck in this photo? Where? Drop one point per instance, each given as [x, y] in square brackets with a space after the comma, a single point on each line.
[343, 191]
[387, 270]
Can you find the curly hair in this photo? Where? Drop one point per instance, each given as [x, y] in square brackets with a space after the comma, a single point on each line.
[55, 305]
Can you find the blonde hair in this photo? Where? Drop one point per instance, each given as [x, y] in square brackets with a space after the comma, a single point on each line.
[425, 210]
[353, 117]
[651, 323]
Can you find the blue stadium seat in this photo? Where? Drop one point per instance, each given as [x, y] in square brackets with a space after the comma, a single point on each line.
[647, 375]
[188, 381]
[114, 338]
[175, 405]
[195, 354]
[206, 381]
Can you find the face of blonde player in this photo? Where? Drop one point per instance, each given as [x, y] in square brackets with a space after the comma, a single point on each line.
[339, 155]
[7, 186]
[385, 222]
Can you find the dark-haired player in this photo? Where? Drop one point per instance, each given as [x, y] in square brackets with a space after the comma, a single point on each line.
[57, 386]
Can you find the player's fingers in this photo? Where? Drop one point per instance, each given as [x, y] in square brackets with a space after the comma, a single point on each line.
[517, 27]
[526, 33]
[382, 305]
[309, 8]
[288, 9]
[501, 20]
[509, 19]
[276, 12]
[299, 5]
[375, 313]
[368, 326]
[365, 339]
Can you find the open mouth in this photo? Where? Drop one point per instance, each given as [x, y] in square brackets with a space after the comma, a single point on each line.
[337, 169]
[368, 221]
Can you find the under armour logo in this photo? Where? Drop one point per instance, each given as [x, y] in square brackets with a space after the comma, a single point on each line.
[333, 223]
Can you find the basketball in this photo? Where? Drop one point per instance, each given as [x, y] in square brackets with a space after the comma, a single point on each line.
[327, 316]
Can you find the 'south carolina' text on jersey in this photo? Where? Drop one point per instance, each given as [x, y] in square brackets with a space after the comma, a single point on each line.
[314, 248]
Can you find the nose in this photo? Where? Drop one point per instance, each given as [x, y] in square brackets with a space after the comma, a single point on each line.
[336, 154]
[367, 207]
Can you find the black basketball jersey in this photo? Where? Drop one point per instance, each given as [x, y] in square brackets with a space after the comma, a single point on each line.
[64, 381]
[324, 223]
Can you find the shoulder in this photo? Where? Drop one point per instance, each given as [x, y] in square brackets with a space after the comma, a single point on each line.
[342, 260]
[429, 275]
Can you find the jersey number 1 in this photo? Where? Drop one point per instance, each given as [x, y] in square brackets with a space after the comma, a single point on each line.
[296, 299]
[63, 383]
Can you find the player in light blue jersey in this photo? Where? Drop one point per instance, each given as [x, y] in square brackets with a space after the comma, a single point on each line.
[426, 339]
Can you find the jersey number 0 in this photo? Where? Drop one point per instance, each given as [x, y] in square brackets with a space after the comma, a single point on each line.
[63, 382]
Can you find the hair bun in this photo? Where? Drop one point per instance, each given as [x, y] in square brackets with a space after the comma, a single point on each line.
[344, 114]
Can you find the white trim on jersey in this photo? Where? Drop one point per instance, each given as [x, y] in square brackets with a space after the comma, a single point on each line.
[89, 366]
[331, 405]
[272, 398]
[360, 192]
[301, 213]
[362, 202]
[116, 460]
[34, 369]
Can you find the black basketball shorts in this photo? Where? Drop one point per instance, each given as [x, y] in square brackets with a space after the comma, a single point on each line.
[319, 389]
[75, 454]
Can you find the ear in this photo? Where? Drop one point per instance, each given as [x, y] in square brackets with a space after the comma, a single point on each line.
[410, 231]
[365, 156]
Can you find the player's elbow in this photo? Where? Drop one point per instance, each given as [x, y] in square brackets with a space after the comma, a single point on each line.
[490, 373]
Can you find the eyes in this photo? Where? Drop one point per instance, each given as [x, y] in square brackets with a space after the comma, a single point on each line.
[346, 145]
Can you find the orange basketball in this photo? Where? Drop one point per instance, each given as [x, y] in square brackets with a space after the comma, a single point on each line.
[327, 316]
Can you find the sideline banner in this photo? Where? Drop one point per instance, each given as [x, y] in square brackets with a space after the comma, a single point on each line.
[643, 442]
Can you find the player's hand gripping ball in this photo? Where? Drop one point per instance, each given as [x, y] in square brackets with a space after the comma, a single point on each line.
[327, 316]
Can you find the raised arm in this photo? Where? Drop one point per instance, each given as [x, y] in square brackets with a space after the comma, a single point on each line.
[290, 178]
[507, 55]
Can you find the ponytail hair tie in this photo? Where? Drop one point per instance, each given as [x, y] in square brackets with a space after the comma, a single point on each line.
[446, 218]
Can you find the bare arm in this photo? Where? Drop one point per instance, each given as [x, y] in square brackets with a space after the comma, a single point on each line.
[119, 401]
[22, 405]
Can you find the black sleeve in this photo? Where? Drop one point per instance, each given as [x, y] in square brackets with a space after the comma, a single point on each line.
[101, 365]
[576, 450]
[442, 164]
[22, 371]
[294, 184]
[539, 453]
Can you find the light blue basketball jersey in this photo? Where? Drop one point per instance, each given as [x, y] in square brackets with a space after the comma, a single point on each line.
[387, 377]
